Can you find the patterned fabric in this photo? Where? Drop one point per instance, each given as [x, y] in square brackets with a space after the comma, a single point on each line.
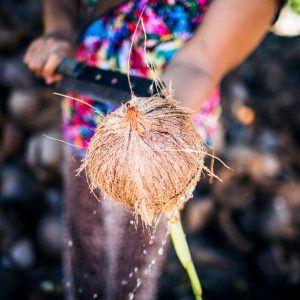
[106, 44]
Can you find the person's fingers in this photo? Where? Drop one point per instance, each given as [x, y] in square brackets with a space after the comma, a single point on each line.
[44, 55]
[28, 53]
[52, 63]
[33, 48]
[38, 61]
[52, 79]
[36, 56]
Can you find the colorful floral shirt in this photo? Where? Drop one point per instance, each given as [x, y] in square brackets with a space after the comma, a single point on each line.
[106, 44]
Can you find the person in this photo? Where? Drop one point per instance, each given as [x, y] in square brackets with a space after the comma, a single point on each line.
[193, 44]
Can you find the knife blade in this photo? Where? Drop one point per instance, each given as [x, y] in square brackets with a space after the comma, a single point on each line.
[105, 86]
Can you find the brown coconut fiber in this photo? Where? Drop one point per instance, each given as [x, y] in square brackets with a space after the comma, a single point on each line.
[147, 155]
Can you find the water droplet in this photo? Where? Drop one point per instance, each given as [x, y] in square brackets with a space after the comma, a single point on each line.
[95, 296]
[131, 222]
[130, 275]
[68, 284]
[47, 286]
[94, 212]
[130, 296]
[80, 290]
[146, 271]
[135, 270]
[145, 251]
[150, 242]
[153, 261]
[160, 251]
[152, 237]
[138, 282]
[124, 282]
[70, 243]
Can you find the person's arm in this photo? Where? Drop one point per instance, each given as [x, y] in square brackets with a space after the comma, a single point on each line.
[230, 31]
[60, 16]
[45, 53]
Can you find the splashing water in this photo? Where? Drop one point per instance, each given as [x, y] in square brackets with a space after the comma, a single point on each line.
[160, 251]
[138, 282]
[148, 269]
[124, 282]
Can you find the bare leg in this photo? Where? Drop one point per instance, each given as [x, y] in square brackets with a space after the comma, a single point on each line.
[104, 255]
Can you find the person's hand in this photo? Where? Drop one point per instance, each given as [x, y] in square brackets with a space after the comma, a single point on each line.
[191, 84]
[45, 54]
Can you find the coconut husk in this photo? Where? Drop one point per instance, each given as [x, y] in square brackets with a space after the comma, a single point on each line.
[147, 155]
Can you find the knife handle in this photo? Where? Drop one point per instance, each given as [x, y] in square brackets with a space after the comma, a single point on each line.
[69, 67]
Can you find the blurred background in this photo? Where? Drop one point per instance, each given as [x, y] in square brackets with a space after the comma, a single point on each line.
[244, 233]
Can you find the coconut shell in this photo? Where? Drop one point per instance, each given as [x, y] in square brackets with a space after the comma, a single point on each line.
[147, 155]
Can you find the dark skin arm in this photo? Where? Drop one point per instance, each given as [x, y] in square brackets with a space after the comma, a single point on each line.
[45, 53]
[230, 31]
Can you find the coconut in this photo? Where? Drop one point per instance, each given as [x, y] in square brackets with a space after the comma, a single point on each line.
[147, 155]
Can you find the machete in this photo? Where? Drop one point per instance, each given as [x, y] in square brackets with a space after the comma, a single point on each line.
[105, 86]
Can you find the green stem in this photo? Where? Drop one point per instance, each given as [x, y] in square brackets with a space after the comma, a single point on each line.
[184, 255]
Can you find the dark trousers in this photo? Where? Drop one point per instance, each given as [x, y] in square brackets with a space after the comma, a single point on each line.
[104, 254]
